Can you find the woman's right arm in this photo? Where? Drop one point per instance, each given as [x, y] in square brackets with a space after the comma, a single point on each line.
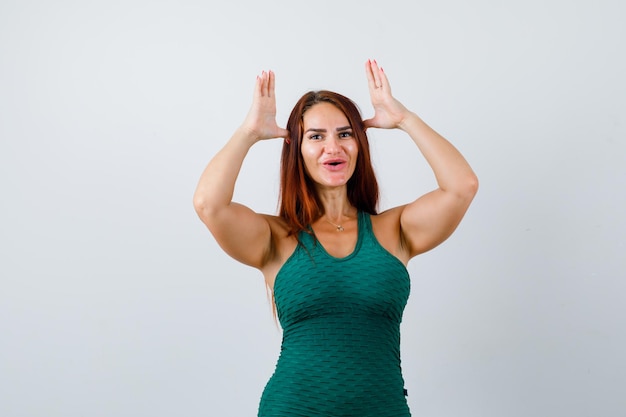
[242, 233]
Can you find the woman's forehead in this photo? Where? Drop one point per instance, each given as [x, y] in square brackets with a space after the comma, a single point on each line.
[322, 114]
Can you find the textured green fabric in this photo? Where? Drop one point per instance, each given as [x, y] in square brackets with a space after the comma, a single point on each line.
[340, 353]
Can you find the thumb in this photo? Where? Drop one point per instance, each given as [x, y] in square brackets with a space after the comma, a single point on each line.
[369, 123]
[282, 133]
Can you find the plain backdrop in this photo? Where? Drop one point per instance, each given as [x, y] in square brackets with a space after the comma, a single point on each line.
[115, 301]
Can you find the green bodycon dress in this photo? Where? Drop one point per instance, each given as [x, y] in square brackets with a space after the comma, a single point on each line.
[340, 353]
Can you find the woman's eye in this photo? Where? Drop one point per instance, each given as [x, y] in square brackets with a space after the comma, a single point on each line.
[315, 137]
[345, 134]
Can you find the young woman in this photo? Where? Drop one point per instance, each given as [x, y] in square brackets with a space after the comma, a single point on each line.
[336, 267]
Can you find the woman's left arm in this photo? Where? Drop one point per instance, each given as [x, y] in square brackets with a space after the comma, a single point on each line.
[431, 219]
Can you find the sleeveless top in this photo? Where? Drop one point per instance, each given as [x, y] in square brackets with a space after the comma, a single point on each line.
[340, 351]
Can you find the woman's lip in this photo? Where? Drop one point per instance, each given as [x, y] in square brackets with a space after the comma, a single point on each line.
[334, 165]
[333, 161]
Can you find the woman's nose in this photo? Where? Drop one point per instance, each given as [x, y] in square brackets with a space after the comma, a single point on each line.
[332, 144]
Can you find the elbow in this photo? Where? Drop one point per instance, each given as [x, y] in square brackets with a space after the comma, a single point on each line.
[202, 206]
[468, 188]
[198, 202]
[208, 209]
[472, 184]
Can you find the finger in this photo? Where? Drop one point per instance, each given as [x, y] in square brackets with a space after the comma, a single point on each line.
[284, 133]
[257, 87]
[384, 81]
[376, 74]
[371, 82]
[368, 123]
[271, 84]
[264, 81]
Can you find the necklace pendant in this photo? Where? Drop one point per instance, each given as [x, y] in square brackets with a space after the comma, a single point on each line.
[338, 227]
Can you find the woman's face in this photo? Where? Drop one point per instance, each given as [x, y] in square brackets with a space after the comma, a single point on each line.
[329, 148]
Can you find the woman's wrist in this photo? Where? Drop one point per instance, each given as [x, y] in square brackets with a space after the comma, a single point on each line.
[409, 121]
[244, 134]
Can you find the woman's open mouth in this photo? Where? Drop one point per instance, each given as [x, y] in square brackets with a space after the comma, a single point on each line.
[334, 164]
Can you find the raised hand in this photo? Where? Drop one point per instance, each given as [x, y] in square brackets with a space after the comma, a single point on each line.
[261, 119]
[389, 113]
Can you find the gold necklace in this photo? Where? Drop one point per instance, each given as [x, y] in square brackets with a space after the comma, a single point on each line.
[338, 226]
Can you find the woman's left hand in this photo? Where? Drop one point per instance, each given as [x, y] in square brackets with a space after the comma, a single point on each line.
[389, 113]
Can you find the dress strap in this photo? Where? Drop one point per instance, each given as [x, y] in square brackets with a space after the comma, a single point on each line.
[365, 224]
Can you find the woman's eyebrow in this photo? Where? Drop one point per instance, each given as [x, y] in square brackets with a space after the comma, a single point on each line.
[315, 130]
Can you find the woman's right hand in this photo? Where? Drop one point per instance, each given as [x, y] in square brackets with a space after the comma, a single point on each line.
[260, 123]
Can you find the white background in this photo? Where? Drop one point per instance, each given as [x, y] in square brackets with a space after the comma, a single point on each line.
[115, 300]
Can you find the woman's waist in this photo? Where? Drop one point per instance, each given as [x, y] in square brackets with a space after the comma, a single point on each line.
[356, 342]
[342, 324]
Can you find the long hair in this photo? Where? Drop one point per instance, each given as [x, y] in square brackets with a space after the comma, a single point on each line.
[299, 203]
